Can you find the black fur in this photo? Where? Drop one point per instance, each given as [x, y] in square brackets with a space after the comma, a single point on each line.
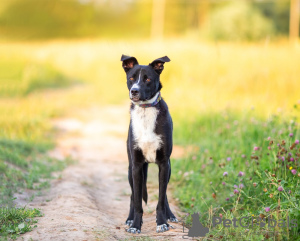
[138, 166]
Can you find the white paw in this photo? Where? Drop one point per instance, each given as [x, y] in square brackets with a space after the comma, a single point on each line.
[162, 228]
[173, 220]
[129, 222]
[133, 230]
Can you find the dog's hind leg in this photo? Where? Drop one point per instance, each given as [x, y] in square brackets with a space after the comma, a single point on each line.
[170, 216]
[161, 209]
[131, 210]
[145, 173]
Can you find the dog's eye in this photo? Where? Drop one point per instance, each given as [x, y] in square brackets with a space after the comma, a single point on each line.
[131, 78]
[148, 80]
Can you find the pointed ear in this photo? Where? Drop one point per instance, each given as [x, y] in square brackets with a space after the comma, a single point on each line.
[128, 62]
[158, 64]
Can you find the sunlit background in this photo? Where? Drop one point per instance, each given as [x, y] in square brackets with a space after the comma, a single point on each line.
[232, 62]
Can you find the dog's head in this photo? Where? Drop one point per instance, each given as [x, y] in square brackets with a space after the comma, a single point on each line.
[143, 80]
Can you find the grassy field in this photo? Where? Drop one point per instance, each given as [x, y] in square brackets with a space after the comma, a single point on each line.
[225, 100]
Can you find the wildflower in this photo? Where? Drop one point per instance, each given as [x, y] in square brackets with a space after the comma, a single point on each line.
[291, 135]
[221, 215]
[265, 189]
[193, 199]
[214, 195]
[192, 205]
[235, 191]
[235, 186]
[243, 156]
[228, 159]
[294, 172]
[225, 174]
[290, 191]
[269, 138]
[231, 195]
[241, 186]
[241, 174]
[271, 195]
[210, 183]
[291, 168]
[254, 184]
[223, 183]
[283, 158]
[194, 158]
[256, 148]
[269, 147]
[227, 199]
[291, 159]
[297, 142]
[280, 188]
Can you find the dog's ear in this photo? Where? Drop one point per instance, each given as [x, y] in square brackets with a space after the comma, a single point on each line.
[158, 64]
[128, 62]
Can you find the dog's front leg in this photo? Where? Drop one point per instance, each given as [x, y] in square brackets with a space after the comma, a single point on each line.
[161, 218]
[137, 174]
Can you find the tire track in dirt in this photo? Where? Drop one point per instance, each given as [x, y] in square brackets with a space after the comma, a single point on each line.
[90, 200]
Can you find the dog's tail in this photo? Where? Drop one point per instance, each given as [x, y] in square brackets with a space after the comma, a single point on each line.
[145, 173]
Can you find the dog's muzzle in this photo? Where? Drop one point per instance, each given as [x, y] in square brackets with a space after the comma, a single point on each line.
[134, 94]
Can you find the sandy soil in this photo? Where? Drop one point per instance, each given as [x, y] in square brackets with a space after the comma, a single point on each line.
[90, 200]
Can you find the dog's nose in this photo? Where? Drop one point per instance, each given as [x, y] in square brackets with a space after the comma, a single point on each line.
[134, 92]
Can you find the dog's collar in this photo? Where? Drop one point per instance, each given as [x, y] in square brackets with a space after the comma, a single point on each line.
[149, 103]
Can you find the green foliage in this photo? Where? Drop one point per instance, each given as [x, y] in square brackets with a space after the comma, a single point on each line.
[276, 11]
[233, 143]
[31, 19]
[238, 20]
[15, 221]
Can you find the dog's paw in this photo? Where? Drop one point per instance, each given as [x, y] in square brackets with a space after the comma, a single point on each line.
[163, 228]
[133, 230]
[173, 220]
[129, 222]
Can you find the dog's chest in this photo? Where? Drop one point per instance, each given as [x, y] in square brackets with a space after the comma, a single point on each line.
[143, 121]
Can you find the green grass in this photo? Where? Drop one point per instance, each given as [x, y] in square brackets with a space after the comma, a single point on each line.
[225, 142]
[25, 138]
[20, 78]
[15, 221]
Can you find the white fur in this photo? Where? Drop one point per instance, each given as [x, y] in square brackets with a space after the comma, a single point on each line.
[143, 122]
[135, 85]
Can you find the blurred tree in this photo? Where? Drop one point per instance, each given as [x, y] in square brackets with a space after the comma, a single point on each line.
[277, 12]
[294, 20]
[238, 20]
[230, 19]
[36, 19]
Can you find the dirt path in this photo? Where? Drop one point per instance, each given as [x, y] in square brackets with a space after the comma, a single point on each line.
[90, 201]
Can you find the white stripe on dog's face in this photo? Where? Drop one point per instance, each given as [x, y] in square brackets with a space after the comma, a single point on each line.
[136, 85]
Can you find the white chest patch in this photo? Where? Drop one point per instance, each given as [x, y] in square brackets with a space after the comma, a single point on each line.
[143, 122]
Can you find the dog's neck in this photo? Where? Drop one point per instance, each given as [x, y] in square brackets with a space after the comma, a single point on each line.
[148, 103]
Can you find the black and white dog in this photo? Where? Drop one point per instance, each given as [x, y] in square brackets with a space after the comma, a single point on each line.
[149, 140]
